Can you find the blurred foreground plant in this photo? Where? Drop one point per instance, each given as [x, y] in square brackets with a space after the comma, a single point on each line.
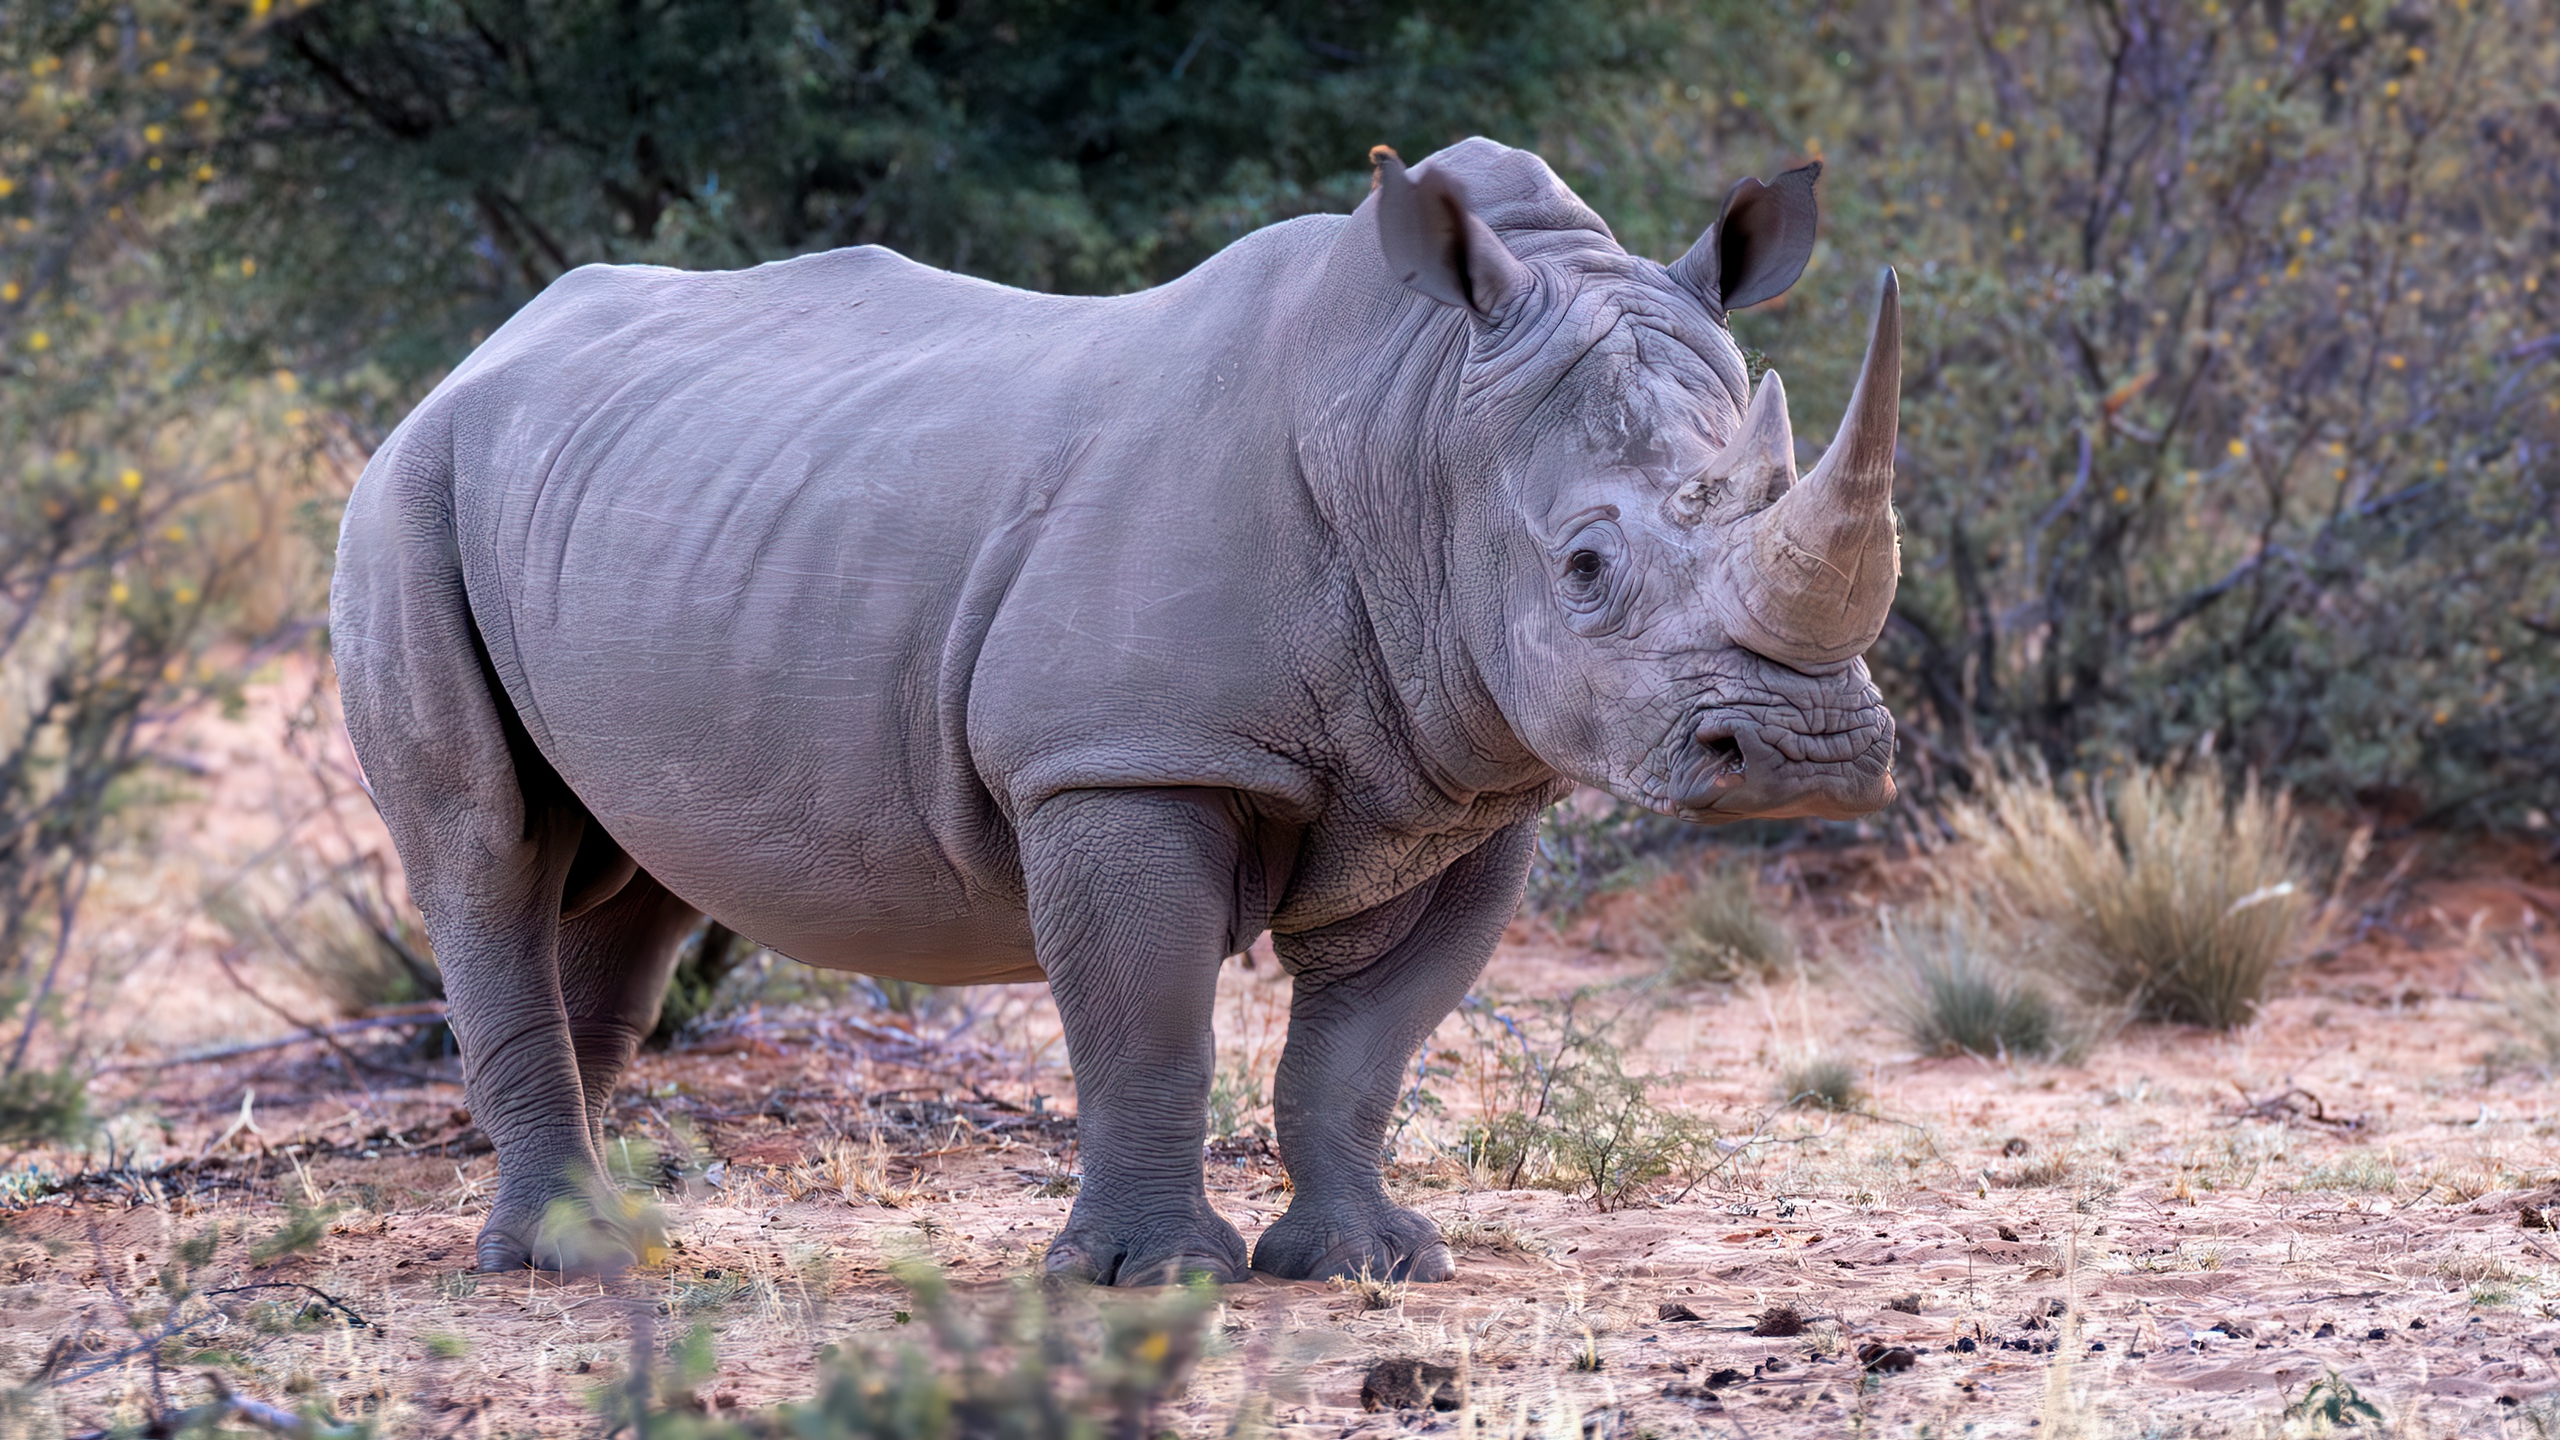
[2168, 894]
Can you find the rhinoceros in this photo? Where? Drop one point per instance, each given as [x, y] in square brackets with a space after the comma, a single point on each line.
[918, 626]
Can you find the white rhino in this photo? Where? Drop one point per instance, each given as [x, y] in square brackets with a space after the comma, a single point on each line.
[919, 626]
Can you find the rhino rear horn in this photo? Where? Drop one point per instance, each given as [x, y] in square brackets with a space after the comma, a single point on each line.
[1813, 578]
[1435, 244]
[1759, 243]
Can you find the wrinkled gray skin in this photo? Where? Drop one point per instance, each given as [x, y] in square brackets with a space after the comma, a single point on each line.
[914, 625]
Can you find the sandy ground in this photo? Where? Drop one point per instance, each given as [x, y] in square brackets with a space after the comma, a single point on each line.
[2182, 1235]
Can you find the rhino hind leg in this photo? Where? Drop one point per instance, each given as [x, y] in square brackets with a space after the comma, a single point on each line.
[614, 962]
[1368, 993]
[1132, 910]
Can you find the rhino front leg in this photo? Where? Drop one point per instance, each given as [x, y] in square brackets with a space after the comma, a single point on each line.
[1133, 898]
[1369, 991]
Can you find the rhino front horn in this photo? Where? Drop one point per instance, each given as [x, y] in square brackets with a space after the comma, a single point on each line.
[1813, 578]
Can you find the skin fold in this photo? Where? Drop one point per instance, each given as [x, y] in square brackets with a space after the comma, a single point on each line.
[918, 626]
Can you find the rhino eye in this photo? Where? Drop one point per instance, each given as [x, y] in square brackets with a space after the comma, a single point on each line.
[1583, 566]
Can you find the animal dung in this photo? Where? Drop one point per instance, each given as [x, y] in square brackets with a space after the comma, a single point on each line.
[1779, 1321]
[1886, 1358]
[1402, 1382]
[1674, 1310]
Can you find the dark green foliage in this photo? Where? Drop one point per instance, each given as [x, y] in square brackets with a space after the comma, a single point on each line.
[2229, 387]
[710, 955]
[38, 1105]
[418, 169]
[1719, 927]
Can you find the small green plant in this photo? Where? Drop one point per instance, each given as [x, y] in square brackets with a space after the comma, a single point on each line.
[2333, 1400]
[1720, 927]
[2169, 894]
[1557, 1105]
[1947, 988]
[305, 1226]
[708, 958]
[1237, 1101]
[1823, 1082]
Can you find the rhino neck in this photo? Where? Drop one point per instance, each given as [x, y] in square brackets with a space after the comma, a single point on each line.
[1376, 401]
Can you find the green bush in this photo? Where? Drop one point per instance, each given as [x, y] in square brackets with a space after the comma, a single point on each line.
[2232, 372]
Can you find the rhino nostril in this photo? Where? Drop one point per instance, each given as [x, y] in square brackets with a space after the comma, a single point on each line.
[1725, 765]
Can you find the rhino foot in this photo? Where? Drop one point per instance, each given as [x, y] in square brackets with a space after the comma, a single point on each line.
[1157, 1249]
[568, 1234]
[1388, 1243]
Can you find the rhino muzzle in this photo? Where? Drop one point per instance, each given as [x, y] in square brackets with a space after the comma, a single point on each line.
[1736, 764]
[1811, 578]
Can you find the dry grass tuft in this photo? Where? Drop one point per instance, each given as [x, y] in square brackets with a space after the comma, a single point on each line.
[2172, 894]
[859, 1173]
[1779, 1321]
[2528, 1004]
[1947, 988]
[1825, 1082]
[1720, 926]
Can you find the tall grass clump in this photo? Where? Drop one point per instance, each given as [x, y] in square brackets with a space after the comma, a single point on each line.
[2170, 893]
[1720, 926]
[1949, 989]
[2527, 1006]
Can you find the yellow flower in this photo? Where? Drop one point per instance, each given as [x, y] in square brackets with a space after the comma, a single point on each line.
[2303, 238]
[2442, 716]
[2339, 475]
[152, 164]
[2239, 448]
[2008, 138]
[160, 70]
[200, 109]
[248, 266]
[2391, 90]
[2398, 364]
[185, 595]
[295, 416]
[258, 8]
[7, 185]
[2293, 271]
[107, 504]
[286, 382]
[204, 172]
[39, 341]
[151, 134]
[2417, 55]
[1982, 128]
[131, 479]
[2017, 233]
[119, 592]
[2123, 494]
[2346, 22]
[173, 534]
[9, 290]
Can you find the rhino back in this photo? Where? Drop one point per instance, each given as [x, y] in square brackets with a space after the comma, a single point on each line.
[807, 578]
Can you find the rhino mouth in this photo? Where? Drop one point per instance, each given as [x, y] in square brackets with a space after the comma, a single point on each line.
[1731, 764]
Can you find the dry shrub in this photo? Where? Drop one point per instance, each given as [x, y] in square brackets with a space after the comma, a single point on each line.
[1720, 926]
[2171, 895]
[1948, 987]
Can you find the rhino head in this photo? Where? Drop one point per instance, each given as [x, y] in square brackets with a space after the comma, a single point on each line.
[1674, 614]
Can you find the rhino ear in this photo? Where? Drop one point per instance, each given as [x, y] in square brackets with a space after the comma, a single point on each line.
[1435, 244]
[1758, 246]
